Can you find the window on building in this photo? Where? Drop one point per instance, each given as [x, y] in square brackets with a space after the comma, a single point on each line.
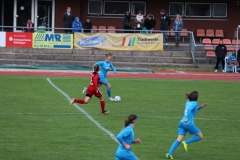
[94, 7]
[219, 10]
[198, 9]
[116, 7]
[138, 6]
[176, 8]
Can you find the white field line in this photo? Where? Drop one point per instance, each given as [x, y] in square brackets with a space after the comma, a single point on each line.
[84, 112]
[144, 116]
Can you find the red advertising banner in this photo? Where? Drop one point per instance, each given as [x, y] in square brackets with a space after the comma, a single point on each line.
[19, 39]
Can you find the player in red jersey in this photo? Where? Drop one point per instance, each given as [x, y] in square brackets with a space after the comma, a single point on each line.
[93, 90]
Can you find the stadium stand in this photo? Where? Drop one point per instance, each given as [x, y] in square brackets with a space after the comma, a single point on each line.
[210, 33]
[219, 33]
[206, 41]
[215, 41]
[111, 29]
[103, 29]
[201, 34]
[210, 54]
[94, 29]
[227, 42]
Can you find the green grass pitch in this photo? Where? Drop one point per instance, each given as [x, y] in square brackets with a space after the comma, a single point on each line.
[36, 121]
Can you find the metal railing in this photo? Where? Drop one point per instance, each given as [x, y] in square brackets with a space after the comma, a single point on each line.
[190, 35]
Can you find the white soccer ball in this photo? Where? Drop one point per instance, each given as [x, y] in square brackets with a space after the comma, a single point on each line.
[117, 98]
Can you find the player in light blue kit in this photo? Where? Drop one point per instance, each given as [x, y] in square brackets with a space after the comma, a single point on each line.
[126, 138]
[187, 124]
[105, 66]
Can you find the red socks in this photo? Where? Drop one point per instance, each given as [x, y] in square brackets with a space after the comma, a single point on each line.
[102, 103]
[80, 101]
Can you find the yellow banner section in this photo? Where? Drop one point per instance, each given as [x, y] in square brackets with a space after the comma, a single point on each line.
[119, 41]
[52, 41]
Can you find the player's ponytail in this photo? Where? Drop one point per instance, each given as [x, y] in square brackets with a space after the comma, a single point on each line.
[193, 96]
[108, 54]
[131, 118]
[95, 68]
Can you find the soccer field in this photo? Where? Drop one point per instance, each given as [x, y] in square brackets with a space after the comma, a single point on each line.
[36, 121]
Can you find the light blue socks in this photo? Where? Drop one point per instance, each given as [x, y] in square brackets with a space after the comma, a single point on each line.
[173, 147]
[109, 92]
[193, 139]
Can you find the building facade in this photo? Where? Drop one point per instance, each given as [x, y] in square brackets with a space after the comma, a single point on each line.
[205, 14]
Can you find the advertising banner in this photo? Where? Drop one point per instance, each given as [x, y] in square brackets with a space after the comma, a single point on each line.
[19, 39]
[119, 41]
[3, 39]
[52, 41]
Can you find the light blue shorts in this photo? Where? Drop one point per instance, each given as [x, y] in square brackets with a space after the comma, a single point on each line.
[129, 156]
[183, 129]
[104, 80]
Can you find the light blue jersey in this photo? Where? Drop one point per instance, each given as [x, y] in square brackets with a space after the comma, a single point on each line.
[187, 122]
[105, 66]
[127, 136]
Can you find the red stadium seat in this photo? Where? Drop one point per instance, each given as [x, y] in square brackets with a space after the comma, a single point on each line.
[227, 41]
[229, 48]
[171, 33]
[210, 33]
[210, 54]
[201, 33]
[235, 42]
[206, 41]
[215, 41]
[219, 33]
[94, 29]
[208, 48]
[112, 29]
[102, 29]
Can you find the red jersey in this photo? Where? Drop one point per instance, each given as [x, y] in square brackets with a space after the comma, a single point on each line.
[93, 86]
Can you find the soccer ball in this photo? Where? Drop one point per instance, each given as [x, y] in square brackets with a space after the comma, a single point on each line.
[117, 99]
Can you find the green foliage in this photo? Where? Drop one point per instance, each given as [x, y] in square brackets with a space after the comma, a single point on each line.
[36, 121]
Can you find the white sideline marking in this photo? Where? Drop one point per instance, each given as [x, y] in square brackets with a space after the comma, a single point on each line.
[84, 112]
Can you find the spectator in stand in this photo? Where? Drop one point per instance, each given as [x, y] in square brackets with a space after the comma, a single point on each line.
[238, 59]
[221, 52]
[87, 26]
[165, 23]
[232, 60]
[67, 20]
[139, 21]
[77, 25]
[149, 23]
[177, 27]
[30, 26]
[127, 22]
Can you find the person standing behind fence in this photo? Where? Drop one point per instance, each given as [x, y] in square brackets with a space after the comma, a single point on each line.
[77, 25]
[165, 23]
[177, 26]
[87, 26]
[221, 52]
[67, 20]
[149, 23]
[127, 22]
[139, 21]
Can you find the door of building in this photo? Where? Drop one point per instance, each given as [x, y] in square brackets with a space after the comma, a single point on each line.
[45, 14]
[23, 11]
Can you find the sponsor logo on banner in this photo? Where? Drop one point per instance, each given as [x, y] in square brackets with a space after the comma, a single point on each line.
[19, 39]
[53, 41]
[140, 42]
[92, 41]
[3, 39]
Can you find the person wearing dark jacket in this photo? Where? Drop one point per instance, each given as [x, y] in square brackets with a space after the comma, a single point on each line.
[127, 22]
[87, 26]
[221, 52]
[165, 23]
[149, 23]
[68, 19]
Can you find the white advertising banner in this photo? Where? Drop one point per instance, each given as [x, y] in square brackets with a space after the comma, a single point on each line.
[3, 39]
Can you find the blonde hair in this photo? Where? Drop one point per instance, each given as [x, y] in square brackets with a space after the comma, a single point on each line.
[178, 15]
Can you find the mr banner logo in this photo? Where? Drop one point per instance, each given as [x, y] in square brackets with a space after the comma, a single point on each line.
[92, 41]
[55, 41]
[128, 41]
